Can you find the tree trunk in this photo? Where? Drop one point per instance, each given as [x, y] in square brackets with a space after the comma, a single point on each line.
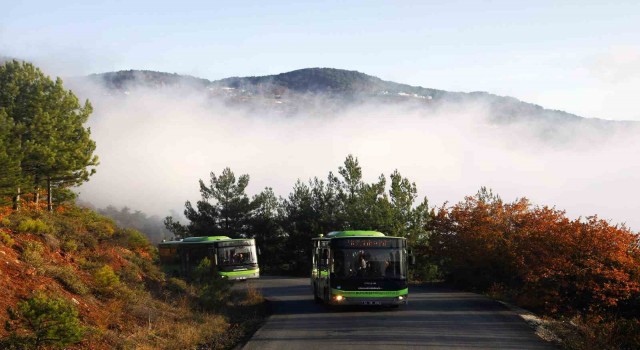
[16, 200]
[49, 199]
[36, 196]
[36, 193]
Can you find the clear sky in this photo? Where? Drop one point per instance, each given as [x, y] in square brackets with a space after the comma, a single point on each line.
[579, 56]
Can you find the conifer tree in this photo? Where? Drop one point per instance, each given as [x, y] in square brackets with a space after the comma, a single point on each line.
[224, 209]
[50, 145]
[9, 159]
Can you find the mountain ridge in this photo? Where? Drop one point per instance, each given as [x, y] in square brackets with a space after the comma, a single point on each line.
[345, 87]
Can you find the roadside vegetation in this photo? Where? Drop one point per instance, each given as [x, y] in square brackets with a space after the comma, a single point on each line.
[78, 281]
[583, 274]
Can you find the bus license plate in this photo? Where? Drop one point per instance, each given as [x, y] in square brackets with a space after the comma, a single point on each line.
[370, 303]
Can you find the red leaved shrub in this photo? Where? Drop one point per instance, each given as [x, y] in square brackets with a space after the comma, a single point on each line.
[542, 259]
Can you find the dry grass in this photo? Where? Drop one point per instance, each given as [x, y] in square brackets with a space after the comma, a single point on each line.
[590, 332]
[202, 329]
[596, 333]
[252, 296]
[158, 325]
[68, 277]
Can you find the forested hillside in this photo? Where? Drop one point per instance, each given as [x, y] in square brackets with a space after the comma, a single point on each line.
[127, 79]
[151, 226]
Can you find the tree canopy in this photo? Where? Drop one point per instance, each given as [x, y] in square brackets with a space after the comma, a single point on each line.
[283, 227]
[43, 140]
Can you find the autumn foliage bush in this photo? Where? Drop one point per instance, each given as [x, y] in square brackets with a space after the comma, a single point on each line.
[584, 273]
[536, 255]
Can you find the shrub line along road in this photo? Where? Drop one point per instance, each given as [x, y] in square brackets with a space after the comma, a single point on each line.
[436, 318]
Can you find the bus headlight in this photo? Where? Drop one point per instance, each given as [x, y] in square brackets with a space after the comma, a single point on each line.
[401, 298]
[339, 298]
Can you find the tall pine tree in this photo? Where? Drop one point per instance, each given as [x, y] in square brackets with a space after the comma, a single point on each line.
[50, 145]
[224, 208]
[10, 171]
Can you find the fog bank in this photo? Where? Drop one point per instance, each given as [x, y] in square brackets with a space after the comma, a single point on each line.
[155, 144]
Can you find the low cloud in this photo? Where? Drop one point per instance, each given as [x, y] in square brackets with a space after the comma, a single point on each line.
[155, 144]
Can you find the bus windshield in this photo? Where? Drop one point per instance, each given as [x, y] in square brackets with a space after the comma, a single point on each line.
[369, 263]
[239, 255]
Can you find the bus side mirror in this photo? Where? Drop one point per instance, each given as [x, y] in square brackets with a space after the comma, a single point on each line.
[259, 251]
[412, 260]
[215, 260]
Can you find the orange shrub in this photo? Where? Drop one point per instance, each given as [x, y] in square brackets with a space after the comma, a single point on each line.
[546, 261]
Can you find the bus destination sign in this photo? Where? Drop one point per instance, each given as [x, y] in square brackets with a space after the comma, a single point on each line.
[235, 243]
[357, 243]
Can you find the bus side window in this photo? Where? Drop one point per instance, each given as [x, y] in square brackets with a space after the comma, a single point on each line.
[316, 257]
[324, 259]
[213, 256]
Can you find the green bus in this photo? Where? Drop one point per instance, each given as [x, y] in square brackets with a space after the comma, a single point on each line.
[235, 259]
[360, 268]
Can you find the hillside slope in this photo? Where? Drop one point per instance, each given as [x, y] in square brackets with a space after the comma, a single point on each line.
[109, 276]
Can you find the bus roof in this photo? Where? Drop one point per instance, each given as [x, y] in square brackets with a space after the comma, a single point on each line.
[336, 234]
[203, 240]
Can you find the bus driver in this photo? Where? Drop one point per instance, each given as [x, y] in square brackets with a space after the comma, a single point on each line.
[361, 265]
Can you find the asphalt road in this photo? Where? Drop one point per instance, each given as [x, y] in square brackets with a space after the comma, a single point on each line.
[436, 318]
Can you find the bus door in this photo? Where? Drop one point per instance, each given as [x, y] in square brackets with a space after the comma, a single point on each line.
[185, 261]
[323, 271]
[213, 258]
[315, 258]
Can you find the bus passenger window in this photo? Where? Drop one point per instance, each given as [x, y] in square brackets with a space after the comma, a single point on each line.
[324, 260]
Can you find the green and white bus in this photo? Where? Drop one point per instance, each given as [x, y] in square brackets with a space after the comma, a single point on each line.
[235, 259]
[360, 268]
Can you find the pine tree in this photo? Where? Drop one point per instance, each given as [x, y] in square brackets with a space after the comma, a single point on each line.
[51, 146]
[233, 204]
[10, 170]
[224, 209]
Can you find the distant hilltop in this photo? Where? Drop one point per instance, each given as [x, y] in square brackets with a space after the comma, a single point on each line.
[294, 91]
[308, 80]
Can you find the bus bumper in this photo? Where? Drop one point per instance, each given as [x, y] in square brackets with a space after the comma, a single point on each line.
[240, 275]
[386, 301]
